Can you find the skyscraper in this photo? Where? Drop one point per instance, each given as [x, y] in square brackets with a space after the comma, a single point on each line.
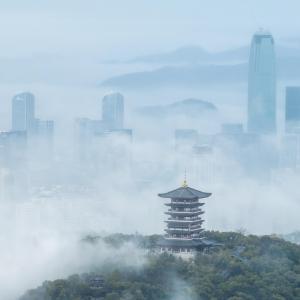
[292, 109]
[23, 112]
[113, 111]
[262, 85]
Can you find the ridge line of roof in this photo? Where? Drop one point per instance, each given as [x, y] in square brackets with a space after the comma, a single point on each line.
[179, 192]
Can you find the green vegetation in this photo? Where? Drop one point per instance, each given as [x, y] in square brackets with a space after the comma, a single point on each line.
[245, 267]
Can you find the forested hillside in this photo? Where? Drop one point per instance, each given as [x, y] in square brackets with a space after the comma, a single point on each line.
[244, 267]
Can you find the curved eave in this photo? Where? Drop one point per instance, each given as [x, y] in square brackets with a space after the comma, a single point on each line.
[185, 193]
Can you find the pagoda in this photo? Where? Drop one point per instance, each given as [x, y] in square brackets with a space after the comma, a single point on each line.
[184, 225]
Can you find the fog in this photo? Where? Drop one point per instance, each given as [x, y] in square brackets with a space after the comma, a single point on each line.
[51, 197]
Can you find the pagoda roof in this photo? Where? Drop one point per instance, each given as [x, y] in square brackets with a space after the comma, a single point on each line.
[185, 192]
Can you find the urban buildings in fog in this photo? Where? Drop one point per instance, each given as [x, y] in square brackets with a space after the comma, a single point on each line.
[106, 139]
[86, 128]
[23, 114]
[113, 111]
[292, 109]
[13, 146]
[44, 128]
[262, 84]
[112, 119]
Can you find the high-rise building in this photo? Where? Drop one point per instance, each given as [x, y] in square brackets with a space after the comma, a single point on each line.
[262, 84]
[292, 109]
[113, 111]
[23, 112]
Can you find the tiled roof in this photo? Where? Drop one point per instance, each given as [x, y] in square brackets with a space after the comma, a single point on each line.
[185, 192]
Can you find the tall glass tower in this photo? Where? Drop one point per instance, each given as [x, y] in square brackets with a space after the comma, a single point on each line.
[23, 112]
[113, 111]
[262, 85]
[292, 109]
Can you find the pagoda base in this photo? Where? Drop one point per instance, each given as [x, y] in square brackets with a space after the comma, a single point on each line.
[184, 247]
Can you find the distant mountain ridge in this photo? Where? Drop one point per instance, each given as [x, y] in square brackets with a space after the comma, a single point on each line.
[193, 54]
[191, 107]
[180, 75]
[197, 54]
[199, 74]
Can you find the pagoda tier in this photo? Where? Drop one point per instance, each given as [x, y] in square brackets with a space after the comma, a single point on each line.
[185, 212]
[184, 230]
[184, 204]
[184, 222]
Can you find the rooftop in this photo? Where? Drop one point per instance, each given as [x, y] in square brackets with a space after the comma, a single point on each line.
[185, 192]
[262, 32]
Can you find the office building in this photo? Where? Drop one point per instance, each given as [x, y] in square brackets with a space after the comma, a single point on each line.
[292, 110]
[23, 112]
[113, 111]
[262, 85]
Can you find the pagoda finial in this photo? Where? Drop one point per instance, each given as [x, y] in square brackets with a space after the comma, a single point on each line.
[185, 182]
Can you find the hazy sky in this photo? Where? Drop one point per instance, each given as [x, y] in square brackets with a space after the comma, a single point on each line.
[109, 28]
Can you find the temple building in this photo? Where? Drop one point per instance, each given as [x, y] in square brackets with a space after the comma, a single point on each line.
[184, 225]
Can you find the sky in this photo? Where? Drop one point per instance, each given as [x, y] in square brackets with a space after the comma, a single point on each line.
[113, 28]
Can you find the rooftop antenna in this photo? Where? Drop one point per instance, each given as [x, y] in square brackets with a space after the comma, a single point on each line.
[185, 182]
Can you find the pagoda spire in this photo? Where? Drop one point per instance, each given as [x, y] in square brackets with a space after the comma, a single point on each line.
[184, 184]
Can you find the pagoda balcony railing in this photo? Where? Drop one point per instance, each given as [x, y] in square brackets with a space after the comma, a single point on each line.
[183, 223]
[185, 211]
[184, 204]
[185, 200]
[181, 218]
[178, 237]
[189, 209]
[175, 228]
[191, 229]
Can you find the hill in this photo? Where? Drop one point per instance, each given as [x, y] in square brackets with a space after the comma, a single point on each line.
[189, 107]
[245, 267]
[193, 54]
[196, 54]
[194, 75]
